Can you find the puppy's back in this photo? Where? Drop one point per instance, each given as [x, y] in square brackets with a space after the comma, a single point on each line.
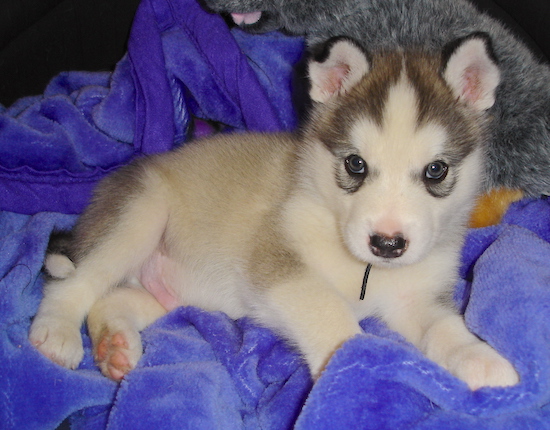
[218, 188]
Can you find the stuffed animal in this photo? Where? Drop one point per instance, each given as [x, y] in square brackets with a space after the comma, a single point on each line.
[491, 206]
[519, 153]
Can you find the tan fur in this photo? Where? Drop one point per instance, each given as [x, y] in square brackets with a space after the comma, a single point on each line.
[272, 226]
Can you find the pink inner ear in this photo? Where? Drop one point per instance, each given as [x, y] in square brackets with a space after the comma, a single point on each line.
[246, 18]
[473, 86]
[335, 78]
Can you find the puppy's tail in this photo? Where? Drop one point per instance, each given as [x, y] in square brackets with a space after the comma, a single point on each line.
[58, 266]
[58, 263]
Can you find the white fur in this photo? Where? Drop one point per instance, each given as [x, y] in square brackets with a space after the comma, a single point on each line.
[473, 75]
[58, 266]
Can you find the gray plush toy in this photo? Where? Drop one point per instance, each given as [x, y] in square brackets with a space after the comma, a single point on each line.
[519, 155]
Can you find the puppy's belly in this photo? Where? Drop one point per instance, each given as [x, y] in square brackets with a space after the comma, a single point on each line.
[210, 285]
[158, 276]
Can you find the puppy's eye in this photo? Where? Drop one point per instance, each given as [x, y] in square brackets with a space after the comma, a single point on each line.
[356, 166]
[436, 171]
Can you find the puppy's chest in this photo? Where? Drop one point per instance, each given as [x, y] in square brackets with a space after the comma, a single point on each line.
[346, 276]
[329, 260]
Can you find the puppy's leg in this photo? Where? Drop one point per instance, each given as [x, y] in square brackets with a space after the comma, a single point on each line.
[133, 235]
[312, 316]
[442, 335]
[114, 324]
[448, 341]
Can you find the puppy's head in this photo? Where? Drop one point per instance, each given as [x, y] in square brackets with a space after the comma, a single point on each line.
[401, 142]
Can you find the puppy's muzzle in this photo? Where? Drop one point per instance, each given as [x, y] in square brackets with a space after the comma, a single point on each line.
[388, 246]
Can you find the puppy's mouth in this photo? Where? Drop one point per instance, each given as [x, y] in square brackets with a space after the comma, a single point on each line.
[246, 18]
[388, 263]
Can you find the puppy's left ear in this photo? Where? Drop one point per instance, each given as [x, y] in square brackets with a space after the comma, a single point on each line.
[335, 68]
[471, 70]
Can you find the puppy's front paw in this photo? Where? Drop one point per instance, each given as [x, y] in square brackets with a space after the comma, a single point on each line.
[57, 339]
[117, 352]
[479, 365]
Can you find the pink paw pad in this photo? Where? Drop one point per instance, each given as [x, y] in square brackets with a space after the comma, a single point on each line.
[112, 355]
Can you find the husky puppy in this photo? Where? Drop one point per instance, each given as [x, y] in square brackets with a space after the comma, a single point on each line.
[282, 227]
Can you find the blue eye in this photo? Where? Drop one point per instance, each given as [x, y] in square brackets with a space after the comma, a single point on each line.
[436, 171]
[355, 165]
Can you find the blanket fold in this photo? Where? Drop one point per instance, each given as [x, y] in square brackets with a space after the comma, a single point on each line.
[203, 370]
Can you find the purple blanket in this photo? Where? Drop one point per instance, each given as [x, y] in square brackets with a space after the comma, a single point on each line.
[182, 63]
[202, 370]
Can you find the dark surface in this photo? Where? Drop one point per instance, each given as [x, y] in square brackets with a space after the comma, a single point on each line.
[40, 38]
[529, 19]
[64, 425]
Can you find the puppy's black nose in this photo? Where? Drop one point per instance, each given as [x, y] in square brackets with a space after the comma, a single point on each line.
[388, 247]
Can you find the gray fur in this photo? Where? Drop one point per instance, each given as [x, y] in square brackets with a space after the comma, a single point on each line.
[519, 152]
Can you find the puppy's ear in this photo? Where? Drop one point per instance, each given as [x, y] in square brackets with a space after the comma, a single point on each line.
[470, 68]
[335, 68]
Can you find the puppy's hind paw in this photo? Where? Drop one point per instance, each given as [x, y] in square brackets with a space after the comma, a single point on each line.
[58, 340]
[117, 353]
[479, 365]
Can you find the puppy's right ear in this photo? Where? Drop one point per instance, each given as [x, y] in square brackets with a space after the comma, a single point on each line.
[335, 68]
